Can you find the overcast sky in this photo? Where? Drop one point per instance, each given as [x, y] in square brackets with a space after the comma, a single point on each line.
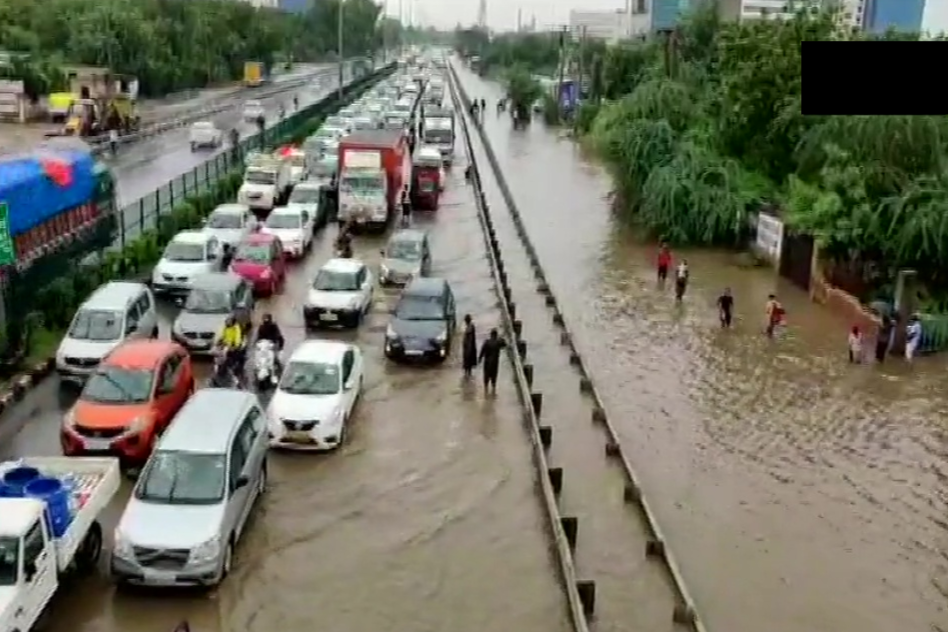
[501, 14]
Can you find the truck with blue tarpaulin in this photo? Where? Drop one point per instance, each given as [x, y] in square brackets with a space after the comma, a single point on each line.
[60, 207]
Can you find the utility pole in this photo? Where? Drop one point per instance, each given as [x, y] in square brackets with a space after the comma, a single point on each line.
[581, 63]
[342, 59]
[559, 89]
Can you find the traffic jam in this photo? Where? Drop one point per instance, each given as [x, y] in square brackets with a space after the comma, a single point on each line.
[196, 450]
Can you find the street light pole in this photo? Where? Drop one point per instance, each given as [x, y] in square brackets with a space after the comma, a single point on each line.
[342, 59]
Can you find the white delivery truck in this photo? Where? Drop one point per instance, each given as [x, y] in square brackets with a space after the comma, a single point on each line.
[33, 560]
[267, 183]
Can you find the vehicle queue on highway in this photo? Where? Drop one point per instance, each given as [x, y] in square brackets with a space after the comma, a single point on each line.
[200, 453]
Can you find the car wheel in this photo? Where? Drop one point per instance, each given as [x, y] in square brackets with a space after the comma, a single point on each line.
[344, 433]
[262, 481]
[228, 562]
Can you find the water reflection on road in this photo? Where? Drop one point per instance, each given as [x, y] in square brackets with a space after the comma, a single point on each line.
[799, 493]
[425, 521]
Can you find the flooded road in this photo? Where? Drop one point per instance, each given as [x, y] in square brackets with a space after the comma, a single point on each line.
[799, 493]
[426, 521]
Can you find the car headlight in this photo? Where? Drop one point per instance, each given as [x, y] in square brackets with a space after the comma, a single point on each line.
[443, 336]
[137, 425]
[206, 551]
[265, 274]
[384, 271]
[391, 334]
[354, 303]
[122, 547]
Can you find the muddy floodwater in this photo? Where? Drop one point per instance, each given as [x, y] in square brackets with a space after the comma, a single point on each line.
[799, 493]
[425, 521]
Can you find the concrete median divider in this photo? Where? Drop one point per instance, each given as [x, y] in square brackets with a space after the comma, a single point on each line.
[657, 547]
[580, 593]
[116, 263]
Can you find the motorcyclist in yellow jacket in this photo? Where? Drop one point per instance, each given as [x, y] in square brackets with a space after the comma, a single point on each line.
[232, 342]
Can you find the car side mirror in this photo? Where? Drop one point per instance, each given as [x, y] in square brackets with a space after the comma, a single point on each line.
[349, 385]
[29, 571]
[242, 481]
[130, 328]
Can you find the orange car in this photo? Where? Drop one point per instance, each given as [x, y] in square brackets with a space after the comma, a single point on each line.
[129, 402]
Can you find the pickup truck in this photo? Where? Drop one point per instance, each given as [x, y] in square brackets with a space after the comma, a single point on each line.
[267, 183]
[33, 562]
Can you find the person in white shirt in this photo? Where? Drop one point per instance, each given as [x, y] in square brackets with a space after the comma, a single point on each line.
[913, 337]
[855, 345]
[113, 140]
[681, 280]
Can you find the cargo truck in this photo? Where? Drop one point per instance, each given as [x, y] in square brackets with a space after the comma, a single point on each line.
[374, 165]
[254, 74]
[49, 528]
[438, 129]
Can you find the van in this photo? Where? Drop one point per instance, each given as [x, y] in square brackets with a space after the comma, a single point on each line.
[194, 496]
[115, 312]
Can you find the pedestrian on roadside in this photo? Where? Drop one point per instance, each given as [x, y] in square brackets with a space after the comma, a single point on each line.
[913, 337]
[726, 308]
[490, 360]
[468, 172]
[776, 316]
[681, 280]
[469, 346]
[855, 345]
[884, 337]
[663, 263]
[406, 207]
[113, 140]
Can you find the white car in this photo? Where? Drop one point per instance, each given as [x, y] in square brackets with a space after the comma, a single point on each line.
[307, 195]
[230, 223]
[293, 225]
[297, 160]
[253, 110]
[190, 253]
[314, 400]
[205, 134]
[341, 294]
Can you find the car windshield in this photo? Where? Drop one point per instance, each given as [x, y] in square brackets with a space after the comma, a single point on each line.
[203, 127]
[254, 253]
[116, 385]
[404, 249]
[333, 122]
[9, 560]
[301, 195]
[180, 251]
[438, 135]
[207, 301]
[335, 281]
[259, 176]
[183, 478]
[96, 324]
[283, 220]
[419, 308]
[310, 378]
[225, 220]
[356, 183]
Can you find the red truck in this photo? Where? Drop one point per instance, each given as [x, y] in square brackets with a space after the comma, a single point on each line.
[374, 165]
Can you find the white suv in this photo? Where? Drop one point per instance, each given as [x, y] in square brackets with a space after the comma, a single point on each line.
[341, 294]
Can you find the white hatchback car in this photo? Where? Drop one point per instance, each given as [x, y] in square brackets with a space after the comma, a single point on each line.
[341, 294]
[253, 110]
[293, 226]
[230, 223]
[205, 134]
[189, 253]
[318, 391]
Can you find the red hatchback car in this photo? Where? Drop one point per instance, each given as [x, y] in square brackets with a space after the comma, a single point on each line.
[129, 401]
[260, 260]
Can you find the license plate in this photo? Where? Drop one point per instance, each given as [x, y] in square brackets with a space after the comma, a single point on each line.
[97, 444]
[414, 352]
[330, 317]
[299, 437]
[154, 577]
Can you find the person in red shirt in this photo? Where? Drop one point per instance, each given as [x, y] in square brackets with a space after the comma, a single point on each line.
[664, 263]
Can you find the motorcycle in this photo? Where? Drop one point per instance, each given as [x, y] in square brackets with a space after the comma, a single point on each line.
[265, 364]
[224, 375]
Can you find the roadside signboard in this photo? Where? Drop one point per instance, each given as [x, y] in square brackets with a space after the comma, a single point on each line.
[7, 251]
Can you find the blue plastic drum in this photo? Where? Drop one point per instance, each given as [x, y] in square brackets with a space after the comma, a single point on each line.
[20, 477]
[57, 499]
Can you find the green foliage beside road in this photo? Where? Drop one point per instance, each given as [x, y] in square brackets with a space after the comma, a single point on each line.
[172, 45]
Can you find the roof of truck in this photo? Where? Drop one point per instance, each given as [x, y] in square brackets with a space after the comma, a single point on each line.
[19, 514]
[373, 138]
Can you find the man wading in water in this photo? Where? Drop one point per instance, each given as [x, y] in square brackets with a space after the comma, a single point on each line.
[681, 280]
[490, 359]
[469, 346]
[663, 263]
[726, 308]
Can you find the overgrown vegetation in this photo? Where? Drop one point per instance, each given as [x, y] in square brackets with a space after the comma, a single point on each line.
[701, 129]
[173, 45]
